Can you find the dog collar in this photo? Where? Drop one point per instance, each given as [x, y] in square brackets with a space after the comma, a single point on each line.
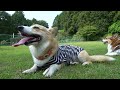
[45, 56]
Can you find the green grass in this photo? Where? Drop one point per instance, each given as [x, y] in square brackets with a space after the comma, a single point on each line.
[15, 60]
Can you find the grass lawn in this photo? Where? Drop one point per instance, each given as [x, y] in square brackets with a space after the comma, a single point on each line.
[14, 60]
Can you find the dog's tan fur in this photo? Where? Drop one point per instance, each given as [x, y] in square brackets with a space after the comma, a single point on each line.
[49, 37]
[49, 42]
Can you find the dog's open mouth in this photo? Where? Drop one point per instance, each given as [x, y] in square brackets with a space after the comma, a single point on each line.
[105, 42]
[28, 39]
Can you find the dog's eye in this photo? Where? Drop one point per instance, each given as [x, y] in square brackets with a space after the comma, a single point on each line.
[35, 27]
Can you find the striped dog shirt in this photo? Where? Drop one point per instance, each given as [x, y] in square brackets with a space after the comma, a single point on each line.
[65, 54]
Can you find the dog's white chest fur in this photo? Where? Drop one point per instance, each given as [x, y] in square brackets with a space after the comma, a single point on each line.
[117, 52]
[37, 51]
[109, 48]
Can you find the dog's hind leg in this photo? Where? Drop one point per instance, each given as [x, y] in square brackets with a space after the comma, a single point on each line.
[31, 70]
[86, 63]
[84, 58]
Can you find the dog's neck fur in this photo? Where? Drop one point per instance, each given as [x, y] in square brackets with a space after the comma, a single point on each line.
[44, 47]
[109, 47]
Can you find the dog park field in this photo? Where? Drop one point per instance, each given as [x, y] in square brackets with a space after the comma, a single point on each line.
[14, 60]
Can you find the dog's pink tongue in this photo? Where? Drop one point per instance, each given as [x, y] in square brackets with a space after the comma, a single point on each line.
[22, 41]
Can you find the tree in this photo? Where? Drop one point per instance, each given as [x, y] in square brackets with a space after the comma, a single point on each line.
[43, 23]
[19, 18]
[29, 22]
[71, 21]
[89, 33]
[56, 22]
[117, 16]
[5, 23]
[8, 23]
[114, 28]
[34, 21]
[40, 22]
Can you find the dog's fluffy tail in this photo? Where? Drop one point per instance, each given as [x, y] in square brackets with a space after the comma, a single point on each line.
[101, 58]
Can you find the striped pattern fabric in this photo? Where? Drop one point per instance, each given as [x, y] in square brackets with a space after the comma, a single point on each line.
[65, 54]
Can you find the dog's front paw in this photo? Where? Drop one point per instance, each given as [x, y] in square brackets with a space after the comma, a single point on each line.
[51, 70]
[28, 71]
[106, 54]
[48, 72]
[111, 54]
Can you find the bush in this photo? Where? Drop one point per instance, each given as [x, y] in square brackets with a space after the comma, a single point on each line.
[107, 35]
[114, 28]
[88, 33]
[77, 37]
[14, 40]
[63, 36]
[4, 37]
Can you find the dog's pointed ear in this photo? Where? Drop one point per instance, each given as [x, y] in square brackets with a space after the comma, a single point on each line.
[115, 35]
[54, 31]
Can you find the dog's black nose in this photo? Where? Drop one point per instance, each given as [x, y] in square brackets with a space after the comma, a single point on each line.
[20, 28]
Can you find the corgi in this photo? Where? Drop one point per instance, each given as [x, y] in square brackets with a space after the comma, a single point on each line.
[113, 44]
[46, 52]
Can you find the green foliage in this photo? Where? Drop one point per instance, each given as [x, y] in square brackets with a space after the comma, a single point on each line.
[62, 36]
[89, 33]
[34, 21]
[107, 35]
[29, 22]
[43, 23]
[117, 16]
[18, 18]
[6, 25]
[4, 37]
[71, 21]
[9, 23]
[114, 28]
[78, 37]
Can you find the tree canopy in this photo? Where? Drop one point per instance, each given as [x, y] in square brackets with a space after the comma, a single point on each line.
[84, 22]
[8, 23]
[76, 24]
